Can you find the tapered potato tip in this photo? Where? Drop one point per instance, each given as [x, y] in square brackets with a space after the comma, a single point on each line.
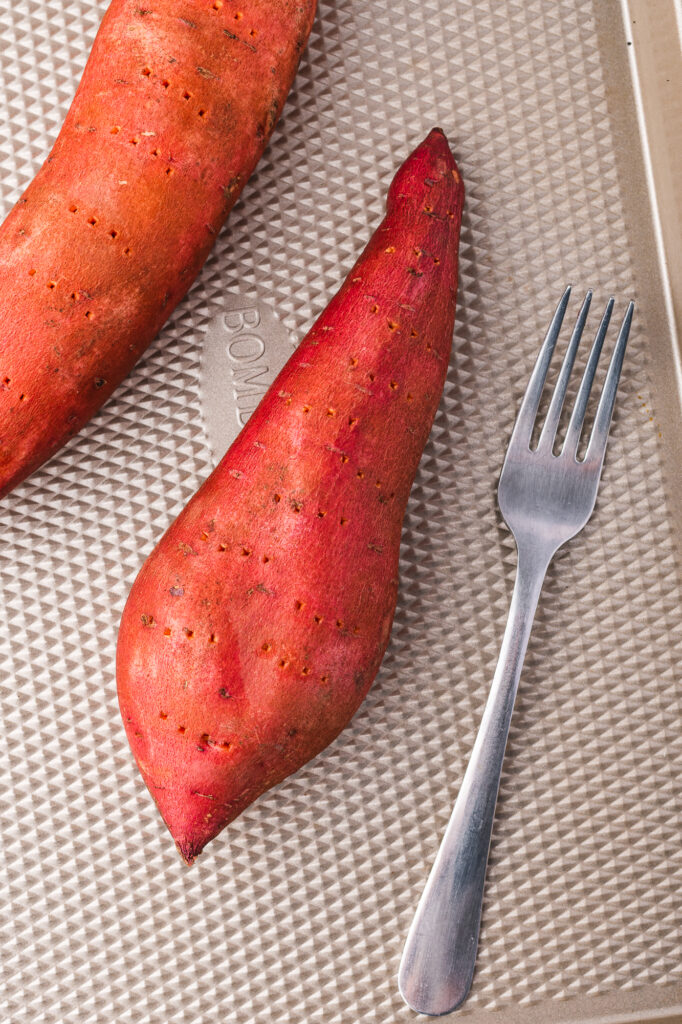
[186, 818]
[437, 142]
[187, 852]
[418, 177]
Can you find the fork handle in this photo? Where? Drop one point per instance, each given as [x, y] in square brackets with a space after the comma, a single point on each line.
[437, 965]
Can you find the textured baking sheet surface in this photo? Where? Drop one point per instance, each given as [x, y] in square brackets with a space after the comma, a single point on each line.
[299, 912]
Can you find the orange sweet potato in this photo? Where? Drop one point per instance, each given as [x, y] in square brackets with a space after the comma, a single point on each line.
[256, 626]
[175, 106]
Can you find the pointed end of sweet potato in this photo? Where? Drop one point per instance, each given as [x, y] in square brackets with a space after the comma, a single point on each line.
[187, 851]
[437, 146]
[431, 162]
[193, 818]
[187, 819]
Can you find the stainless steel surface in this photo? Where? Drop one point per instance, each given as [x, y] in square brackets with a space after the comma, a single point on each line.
[244, 348]
[546, 498]
[300, 910]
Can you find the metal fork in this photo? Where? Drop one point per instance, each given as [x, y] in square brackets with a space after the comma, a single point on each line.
[545, 500]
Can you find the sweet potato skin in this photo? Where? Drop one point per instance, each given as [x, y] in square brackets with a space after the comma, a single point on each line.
[175, 106]
[257, 625]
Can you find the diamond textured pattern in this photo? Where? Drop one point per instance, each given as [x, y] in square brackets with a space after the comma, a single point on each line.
[299, 911]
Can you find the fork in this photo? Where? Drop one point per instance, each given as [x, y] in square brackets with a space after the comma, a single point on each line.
[545, 499]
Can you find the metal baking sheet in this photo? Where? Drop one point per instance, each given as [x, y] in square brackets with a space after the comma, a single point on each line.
[298, 912]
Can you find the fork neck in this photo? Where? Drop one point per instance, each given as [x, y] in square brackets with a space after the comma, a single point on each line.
[533, 560]
[535, 552]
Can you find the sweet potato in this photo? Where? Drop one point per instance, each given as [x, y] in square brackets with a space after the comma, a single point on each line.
[174, 108]
[256, 626]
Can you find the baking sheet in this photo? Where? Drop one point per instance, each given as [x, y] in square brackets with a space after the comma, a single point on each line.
[299, 911]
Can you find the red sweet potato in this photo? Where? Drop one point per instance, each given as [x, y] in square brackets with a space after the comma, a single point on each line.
[176, 104]
[256, 626]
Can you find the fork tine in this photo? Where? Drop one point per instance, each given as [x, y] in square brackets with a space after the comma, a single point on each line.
[552, 421]
[575, 425]
[523, 428]
[602, 421]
